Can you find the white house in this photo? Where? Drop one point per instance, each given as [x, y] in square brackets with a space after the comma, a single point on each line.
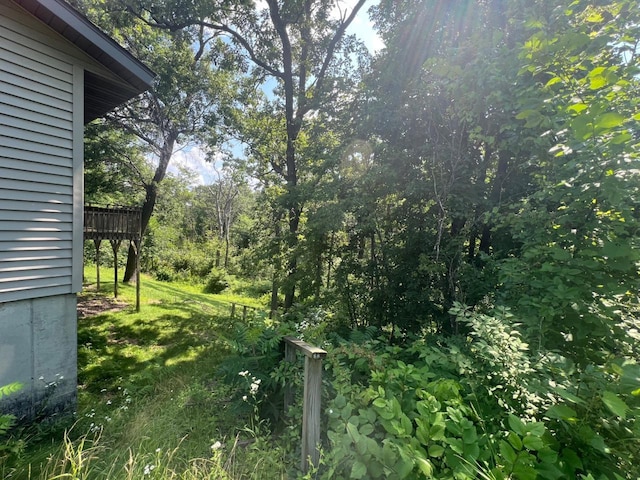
[58, 71]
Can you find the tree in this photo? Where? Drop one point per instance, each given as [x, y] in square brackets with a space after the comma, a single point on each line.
[437, 114]
[181, 107]
[111, 165]
[301, 45]
[222, 201]
[575, 256]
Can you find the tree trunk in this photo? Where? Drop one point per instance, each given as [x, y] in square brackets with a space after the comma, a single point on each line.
[147, 210]
[150, 200]
[226, 248]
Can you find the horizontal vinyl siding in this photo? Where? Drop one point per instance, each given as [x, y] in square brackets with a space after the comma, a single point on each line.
[36, 166]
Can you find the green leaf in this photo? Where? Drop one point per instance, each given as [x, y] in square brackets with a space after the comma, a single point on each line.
[507, 452]
[389, 455]
[367, 429]
[577, 107]
[532, 442]
[615, 404]
[515, 440]
[609, 120]
[553, 81]
[358, 470]
[436, 450]
[535, 428]
[561, 412]
[469, 435]
[547, 455]
[10, 389]
[353, 432]
[524, 472]
[566, 395]
[516, 425]
[597, 82]
[595, 17]
[548, 471]
[456, 445]
[425, 466]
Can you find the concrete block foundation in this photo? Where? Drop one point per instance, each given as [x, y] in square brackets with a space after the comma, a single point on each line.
[38, 348]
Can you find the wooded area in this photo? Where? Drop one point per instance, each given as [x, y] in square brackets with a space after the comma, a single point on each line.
[456, 215]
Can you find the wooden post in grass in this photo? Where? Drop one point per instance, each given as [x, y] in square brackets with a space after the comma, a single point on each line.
[312, 398]
[97, 245]
[233, 310]
[115, 245]
[244, 313]
[136, 244]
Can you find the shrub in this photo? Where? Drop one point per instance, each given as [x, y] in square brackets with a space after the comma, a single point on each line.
[216, 281]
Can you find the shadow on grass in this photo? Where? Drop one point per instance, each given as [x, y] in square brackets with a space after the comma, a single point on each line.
[127, 347]
[176, 328]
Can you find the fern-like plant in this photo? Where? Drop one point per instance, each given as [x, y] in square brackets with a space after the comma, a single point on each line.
[7, 421]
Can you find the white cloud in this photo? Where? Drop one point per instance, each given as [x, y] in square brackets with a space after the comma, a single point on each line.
[362, 26]
[194, 159]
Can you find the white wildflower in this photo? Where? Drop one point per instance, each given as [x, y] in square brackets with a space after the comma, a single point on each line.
[216, 446]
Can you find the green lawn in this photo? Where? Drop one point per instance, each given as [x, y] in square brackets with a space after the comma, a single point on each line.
[151, 400]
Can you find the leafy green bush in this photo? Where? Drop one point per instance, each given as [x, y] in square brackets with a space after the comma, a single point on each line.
[216, 281]
[479, 406]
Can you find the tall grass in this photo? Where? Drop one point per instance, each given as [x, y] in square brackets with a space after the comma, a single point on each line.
[151, 403]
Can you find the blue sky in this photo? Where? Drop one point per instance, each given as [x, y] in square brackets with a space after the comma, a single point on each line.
[193, 157]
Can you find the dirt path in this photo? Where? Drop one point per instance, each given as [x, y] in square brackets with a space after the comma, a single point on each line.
[91, 304]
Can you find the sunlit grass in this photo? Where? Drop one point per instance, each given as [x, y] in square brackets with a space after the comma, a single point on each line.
[150, 403]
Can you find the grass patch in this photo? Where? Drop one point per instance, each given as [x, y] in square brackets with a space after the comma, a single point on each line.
[150, 400]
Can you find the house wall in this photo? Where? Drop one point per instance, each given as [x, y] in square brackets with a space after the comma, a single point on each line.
[38, 115]
[41, 201]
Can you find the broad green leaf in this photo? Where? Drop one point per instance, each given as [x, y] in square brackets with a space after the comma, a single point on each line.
[535, 428]
[595, 17]
[553, 81]
[358, 470]
[507, 452]
[425, 466]
[532, 442]
[548, 455]
[596, 72]
[548, 471]
[469, 435]
[353, 432]
[456, 445]
[515, 440]
[597, 82]
[525, 114]
[522, 471]
[577, 107]
[609, 120]
[615, 404]
[367, 429]
[621, 138]
[436, 450]
[516, 425]
[566, 395]
[561, 412]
